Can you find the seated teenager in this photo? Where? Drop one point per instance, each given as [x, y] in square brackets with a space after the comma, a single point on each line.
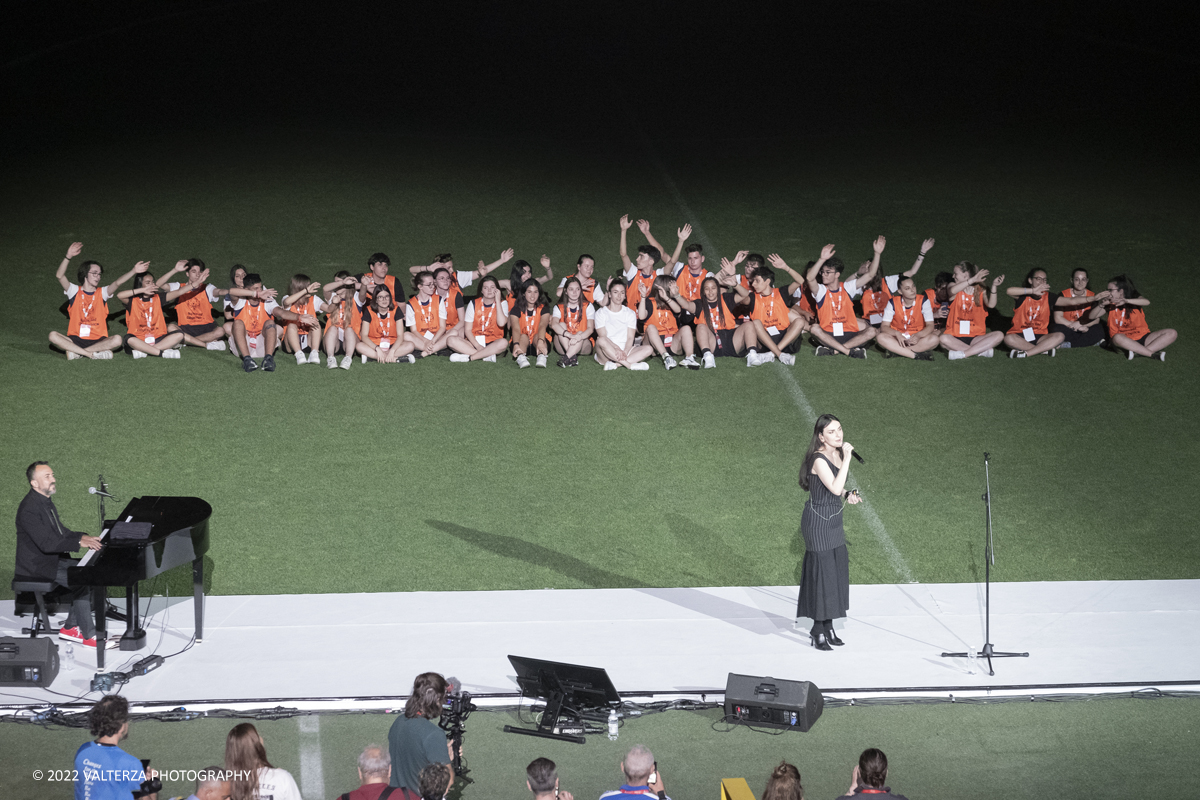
[770, 325]
[425, 318]
[528, 321]
[237, 280]
[838, 329]
[616, 326]
[1127, 328]
[377, 275]
[447, 287]
[689, 282]
[659, 309]
[939, 299]
[907, 329]
[87, 308]
[966, 322]
[341, 327]
[573, 323]
[717, 329]
[381, 337]
[877, 293]
[1030, 334]
[642, 270]
[1080, 325]
[194, 308]
[255, 334]
[303, 333]
[148, 334]
[484, 320]
[585, 269]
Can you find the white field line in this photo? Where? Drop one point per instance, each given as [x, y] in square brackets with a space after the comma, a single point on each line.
[312, 774]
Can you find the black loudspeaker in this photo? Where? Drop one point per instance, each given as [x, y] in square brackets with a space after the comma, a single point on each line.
[772, 703]
[28, 662]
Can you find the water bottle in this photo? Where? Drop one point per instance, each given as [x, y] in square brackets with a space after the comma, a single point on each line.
[972, 661]
[69, 657]
[612, 725]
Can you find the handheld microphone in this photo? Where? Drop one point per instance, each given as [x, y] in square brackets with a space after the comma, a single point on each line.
[101, 492]
[857, 457]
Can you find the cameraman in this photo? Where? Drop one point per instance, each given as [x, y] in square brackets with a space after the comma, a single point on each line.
[415, 740]
[103, 770]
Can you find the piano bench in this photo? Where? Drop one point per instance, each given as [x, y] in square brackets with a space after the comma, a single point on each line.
[39, 589]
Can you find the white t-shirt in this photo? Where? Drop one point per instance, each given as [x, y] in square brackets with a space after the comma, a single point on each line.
[465, 279]
[276, 784]
[410, 316]
[469, 314]
[617, 325]
[73, 290]
[851, 287]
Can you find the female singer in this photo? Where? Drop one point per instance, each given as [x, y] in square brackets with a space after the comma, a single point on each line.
[825, 572]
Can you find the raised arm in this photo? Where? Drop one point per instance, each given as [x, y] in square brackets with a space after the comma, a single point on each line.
[626, 264]
[328, 289]
[307, 291]
[827, 252]
[484, 269]
[1075, 302]
[255, 294]
[127, 294]
[549, 276]
[187, 287]
[180, 266]
[837, 484]
[75, 249]
[138, 269]
[959, 286]
[878, 245]
[989, 299]
[778, 263]
[926, 246]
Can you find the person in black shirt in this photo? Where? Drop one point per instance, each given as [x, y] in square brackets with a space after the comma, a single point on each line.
[43, 545]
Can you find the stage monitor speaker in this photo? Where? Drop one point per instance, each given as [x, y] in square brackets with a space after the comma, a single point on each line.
[771, 702]
[28, 662]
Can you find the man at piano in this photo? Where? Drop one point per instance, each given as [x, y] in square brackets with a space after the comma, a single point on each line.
[44, 546]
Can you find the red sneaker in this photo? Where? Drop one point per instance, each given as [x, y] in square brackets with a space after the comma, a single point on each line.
[73, 635]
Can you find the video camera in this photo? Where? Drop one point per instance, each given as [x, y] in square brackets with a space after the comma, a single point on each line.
[455, 709]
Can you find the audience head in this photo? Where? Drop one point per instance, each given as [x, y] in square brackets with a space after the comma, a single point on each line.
[1035, 277]
[616, 291]
[428, 694]
[830, 271]
[237, 276]
[531, 295]
[872, 768]
[378, 264]
[663, 285]
[755, 261]
[193, 267]
[374, 765]
[442, 277]
[541, 776]
[586, 265]
[212, 784]
[110, 717]
[572, 290]
[710, 290]
[964, 270]
[423, 282]
[907, 287]
[382, 299]
[299, 283]
[763, 280]
[941, 286]
[252, 280]
[521, 272]
[144, 281]
[1122, 288]
[1079, 279]
[89, 269]
[638, 764]
[434, 781]
[784, 784]
[494, 291]
[695, 257]
[245, 755]
[445, 259]
[652, 253]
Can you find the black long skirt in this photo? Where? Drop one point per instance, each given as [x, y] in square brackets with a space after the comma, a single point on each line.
[824, 584]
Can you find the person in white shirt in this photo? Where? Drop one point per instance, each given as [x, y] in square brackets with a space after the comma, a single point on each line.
[616, 325]
[253, 777]
[87, 307]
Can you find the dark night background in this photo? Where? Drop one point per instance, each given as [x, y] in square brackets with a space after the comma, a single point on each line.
[1102, 74]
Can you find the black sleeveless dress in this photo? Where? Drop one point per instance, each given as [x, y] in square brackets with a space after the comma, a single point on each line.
[825, 572]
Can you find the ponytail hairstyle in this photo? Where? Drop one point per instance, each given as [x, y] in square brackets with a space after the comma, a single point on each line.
[811, 455]
[1125, 284]
[784, 784]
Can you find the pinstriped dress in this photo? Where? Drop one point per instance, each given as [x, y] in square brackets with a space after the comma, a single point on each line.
[825, 572]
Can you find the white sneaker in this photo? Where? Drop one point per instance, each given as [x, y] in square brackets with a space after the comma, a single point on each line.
[766, 358]
[490, 359]
[541, 361]
[669, 362]
[1130, 354]
[410, 358]
[710, 361]
[331, 362]
[300, 359]
[753, 359]
[1016, 353]
[217, 345]
[954, 355]
[346, 362]
[314, 357]
[690, 362]
[104, 355]
[138, 354]
[459, 358]
[170, 354]
[988, 353]
[522, 361]
[641, 366]
[1065, 346]
[72, 356]
[787, 358]
[1051, 351]
[611, 365]
[363, 357]
[1162, 356]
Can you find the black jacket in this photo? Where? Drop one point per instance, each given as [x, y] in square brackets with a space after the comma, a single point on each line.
[41, 538]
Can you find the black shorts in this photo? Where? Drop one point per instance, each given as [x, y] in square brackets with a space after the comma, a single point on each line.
[1089, 338]
[85, 343]
[198, 330]
[725, 345]
[125, 343]
[966, 339]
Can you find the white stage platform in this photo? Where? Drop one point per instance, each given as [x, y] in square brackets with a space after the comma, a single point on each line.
[336, 649]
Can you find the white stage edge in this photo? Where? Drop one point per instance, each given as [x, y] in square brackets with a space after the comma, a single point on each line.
[362, 650]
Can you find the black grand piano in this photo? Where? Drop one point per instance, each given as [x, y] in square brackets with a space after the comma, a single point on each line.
[178, 535]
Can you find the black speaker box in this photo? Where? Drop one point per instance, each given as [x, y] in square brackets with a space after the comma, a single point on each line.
[28, 662]
[772, 703]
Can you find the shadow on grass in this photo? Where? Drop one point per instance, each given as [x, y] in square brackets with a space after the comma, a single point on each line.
[538, 556]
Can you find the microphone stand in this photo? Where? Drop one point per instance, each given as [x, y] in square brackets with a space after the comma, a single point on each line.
[100, 497]
[989, 558]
